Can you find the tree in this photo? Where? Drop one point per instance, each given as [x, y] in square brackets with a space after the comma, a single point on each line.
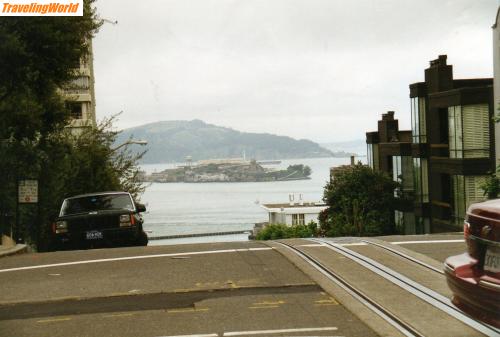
[38, 56]
[361, 202]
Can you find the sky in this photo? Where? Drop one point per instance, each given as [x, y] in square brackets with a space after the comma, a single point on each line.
[323, 70]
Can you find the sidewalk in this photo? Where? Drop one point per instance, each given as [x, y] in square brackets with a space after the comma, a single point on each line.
[9, 247]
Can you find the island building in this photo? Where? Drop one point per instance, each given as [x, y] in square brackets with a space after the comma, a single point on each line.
[445, 157]
[496, 77]
[80, 95]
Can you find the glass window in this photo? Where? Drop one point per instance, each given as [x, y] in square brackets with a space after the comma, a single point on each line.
[466, 191]
[399, 222]
[75, 110]
[421, 179]
[302, 219]
[469, 131]
[375, 157]
[369, 155]
[97, 203]
[418, 121]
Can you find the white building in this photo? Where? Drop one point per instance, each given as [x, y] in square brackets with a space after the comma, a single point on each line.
[80, 95]
[300, 213]
[496, 79]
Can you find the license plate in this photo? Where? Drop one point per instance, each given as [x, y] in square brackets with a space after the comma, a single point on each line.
[94, 235]
[492, 259]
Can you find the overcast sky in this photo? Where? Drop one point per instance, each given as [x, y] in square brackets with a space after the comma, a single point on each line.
[318, 69]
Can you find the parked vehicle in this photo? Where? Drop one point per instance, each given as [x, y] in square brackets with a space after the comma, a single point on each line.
[99, 219]
[474, 277]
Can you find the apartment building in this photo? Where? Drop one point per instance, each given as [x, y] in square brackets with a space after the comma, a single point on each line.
[80, 95]
[496, 71]
[446, 156]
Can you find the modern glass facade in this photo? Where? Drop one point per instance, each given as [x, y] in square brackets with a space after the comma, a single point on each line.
[421, 180]
[372, 156]
[469, 131]
[466, 190]
[418, 122]
[402, 172]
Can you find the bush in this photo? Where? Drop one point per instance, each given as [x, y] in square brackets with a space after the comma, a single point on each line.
[282, 231]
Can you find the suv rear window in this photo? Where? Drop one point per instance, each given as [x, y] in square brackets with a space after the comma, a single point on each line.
[97, 203]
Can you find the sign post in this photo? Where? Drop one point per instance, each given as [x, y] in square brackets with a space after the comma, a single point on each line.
[27, 193]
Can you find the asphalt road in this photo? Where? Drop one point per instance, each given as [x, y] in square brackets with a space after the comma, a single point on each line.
[230, 289]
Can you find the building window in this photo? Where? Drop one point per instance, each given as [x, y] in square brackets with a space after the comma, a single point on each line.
[75, 110]
[469, 131]
[372, 156]
[418, 122]
[399, 222]
[402, 172]
[466, 190]
[422, 225]
[421, 180]
[82, 82]
[298, 219]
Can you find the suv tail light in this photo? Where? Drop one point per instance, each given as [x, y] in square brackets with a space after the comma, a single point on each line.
[60, 227]
[127, 220]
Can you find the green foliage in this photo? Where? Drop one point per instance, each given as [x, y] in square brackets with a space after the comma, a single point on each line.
[38, 57]
[491, 188]
[281, 231]
[360, 203]
[299, 169]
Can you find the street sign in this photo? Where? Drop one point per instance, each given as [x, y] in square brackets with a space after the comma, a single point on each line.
[28, 191]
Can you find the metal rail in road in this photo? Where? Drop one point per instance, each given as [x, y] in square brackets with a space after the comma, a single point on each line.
[424, 293]
[405, 256]
[405, 328]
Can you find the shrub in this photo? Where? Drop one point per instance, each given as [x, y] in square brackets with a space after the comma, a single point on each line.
[282, 231]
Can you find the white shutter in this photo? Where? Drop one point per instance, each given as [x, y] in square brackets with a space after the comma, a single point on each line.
[473, 191]
[476, 129]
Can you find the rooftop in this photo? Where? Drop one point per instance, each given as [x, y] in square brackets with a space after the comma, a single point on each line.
[295, 205]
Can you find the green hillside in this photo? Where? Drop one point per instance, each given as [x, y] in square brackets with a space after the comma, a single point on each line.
[172, 141]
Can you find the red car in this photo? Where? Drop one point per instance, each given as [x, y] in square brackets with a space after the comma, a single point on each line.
[474, 277]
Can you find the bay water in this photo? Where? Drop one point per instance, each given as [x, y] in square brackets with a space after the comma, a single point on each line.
[191, 208]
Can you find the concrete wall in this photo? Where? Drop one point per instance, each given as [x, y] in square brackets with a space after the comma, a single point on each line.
[496, 80]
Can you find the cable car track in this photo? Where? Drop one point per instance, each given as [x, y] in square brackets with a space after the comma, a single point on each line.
[431, 297]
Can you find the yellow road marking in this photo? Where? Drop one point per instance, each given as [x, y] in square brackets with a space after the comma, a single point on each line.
[185, 310]
[207, 284]
[269, 303]
[232, 284]
[187, 290]
[265, 307]
[330, 300]
[119, 315]
[54, 320]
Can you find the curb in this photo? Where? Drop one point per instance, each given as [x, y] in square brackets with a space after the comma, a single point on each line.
[17, 249]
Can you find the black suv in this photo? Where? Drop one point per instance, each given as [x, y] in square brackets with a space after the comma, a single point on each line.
[99, 219]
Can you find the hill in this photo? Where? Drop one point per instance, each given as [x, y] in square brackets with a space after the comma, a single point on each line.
[173, 141]
[353, 147]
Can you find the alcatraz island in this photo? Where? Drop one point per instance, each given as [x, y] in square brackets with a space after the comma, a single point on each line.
[227, 170]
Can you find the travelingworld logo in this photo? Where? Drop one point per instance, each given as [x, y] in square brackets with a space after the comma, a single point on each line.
[41, 8]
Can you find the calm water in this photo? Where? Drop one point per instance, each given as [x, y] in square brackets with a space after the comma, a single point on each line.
[181, 208]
